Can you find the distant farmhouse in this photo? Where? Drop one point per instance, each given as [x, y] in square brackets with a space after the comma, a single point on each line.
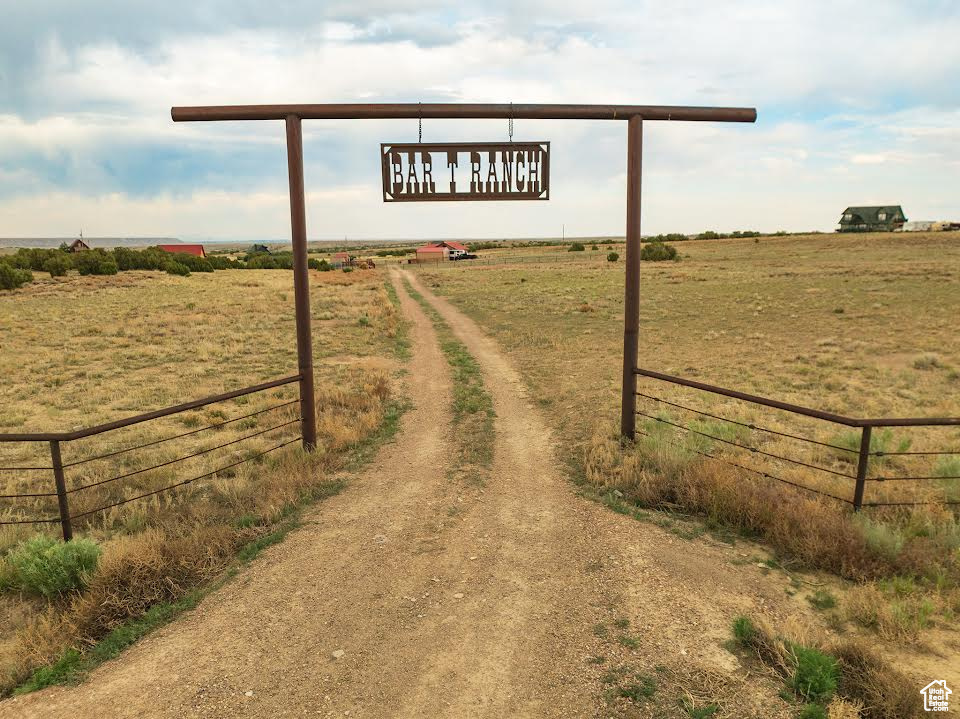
[440, 251]
[433, 253]
[78, 246]
[185, 249]
[884, 218]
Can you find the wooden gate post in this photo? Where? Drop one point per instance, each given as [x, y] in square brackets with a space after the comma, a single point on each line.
[301, 282]
[631, 288]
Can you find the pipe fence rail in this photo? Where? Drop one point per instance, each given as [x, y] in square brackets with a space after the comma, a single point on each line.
[698, 430]
[58, 468]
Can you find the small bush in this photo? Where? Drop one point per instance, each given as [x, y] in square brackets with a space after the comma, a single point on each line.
[57, 264]
[658, 252]
[48, 567]
[744, 631]
[348, 269]
[822, 599]
[816, 675]
[813, 711]
[594, 247]
[613, 257]
[576, 247]
[95, 262]
[178, 268]
[192, 262]
[12, 277]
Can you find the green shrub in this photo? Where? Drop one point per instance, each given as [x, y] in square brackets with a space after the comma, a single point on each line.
[613, 257]
[576, 247]
[822, 599]
[192, 262]
[813, 711]
[744, 631]
[223, 263]
[48, 567]
[95, 262]
[816, 675]
[658, 252]
[13, 277]
[348, 269]
[57, 264]
[178, 268]
[31, 258]
[264, 261]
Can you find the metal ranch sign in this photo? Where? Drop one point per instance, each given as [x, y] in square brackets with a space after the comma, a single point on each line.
[418, 172]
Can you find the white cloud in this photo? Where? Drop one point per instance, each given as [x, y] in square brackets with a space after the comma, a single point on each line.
[832, 127]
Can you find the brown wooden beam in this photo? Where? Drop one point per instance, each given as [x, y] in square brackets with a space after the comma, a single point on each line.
[400, 111]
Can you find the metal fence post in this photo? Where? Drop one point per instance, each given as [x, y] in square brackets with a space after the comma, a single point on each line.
[301, 282]
[862, 465]
[631, 282]
[61, 490]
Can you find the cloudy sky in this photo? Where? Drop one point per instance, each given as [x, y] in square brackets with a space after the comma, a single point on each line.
[858, 103]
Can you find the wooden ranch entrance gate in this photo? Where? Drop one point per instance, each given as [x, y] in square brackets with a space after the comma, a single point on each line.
[633, 115]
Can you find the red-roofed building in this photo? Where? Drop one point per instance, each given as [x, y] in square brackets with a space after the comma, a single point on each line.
[185, 249]
[457, 249]
[433, 253]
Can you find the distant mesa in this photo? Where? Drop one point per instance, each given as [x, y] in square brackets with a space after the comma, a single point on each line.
[105, 242]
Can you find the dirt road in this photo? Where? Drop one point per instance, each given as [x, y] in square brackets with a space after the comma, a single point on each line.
[414, 595]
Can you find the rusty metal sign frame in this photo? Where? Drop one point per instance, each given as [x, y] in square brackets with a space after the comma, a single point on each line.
[388, 175]
[633, 115]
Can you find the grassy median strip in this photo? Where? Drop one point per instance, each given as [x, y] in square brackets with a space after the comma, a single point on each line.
[473, 414]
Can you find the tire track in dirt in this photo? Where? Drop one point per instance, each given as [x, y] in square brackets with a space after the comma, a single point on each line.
[447, 599]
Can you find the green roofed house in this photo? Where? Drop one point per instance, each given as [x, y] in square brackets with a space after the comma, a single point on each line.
[884, 218]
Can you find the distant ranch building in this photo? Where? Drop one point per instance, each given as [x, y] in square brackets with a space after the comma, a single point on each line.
[444, 250]
[433, 253]
[184, 249]
[457, 249]
[342, 259]
[78, 246]
[881, 218]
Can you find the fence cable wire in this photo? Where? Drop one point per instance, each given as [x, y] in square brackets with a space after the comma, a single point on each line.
[179, 459]
[746, 447]
[185, 482]
[910, 504]
[904, 454]
[32, 494]
[908, 479]
[177, 436]
[29, 521]
[748, 425]
[749, 469]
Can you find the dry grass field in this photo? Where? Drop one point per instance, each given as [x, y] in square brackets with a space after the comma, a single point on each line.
[864, 326]
[858, 325]
[79, 351]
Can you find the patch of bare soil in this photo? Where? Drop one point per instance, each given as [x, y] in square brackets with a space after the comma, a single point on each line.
[412, 595]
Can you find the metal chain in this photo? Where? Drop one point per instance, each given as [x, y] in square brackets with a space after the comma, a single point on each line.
[510, 124]
[420, 123]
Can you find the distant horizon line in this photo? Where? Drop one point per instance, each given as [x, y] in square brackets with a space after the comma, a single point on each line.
[188, 240]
